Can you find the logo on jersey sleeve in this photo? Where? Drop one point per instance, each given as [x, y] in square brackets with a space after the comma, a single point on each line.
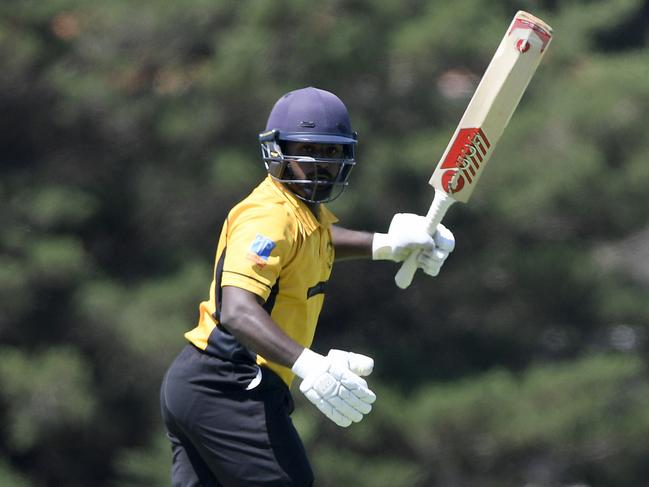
[260, 250]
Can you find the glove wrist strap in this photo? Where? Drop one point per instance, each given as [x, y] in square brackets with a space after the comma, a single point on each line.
[381, 248]
[307, 361]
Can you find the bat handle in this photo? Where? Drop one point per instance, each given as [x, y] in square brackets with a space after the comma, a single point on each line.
[441, 203]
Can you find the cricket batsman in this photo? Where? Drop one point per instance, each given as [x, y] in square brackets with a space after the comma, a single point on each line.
[225, 399]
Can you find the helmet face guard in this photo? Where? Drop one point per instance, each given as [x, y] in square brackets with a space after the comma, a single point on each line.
[311, 179]
[315, 117]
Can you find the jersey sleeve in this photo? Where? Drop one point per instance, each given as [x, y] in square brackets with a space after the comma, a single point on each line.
[259, 242]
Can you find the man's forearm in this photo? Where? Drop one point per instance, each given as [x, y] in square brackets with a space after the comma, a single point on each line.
[351, 244]
[249, 323]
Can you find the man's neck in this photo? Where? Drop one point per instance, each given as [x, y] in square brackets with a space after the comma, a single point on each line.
[315, 209]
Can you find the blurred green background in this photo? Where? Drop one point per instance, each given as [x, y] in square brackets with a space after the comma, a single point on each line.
[130, 128]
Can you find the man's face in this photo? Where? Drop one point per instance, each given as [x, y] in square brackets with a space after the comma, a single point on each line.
[316, 151]
[314, 171]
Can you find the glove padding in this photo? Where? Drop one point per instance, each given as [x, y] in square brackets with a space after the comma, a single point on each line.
[431, 261]
[408, 233]
[340, 394]
[359, 364]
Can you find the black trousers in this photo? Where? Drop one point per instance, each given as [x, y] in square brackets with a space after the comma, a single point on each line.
[223, 434]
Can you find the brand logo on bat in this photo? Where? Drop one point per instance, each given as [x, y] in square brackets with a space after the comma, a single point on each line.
[464, 160]
[542, 33]
[522, 45]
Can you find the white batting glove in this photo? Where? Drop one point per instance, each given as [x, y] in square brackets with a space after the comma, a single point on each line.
[408, 233]
[336, 391]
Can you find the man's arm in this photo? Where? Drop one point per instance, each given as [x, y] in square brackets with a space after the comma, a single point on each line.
[351, 244]
[331, 383]
[243, 316]
[407, 233]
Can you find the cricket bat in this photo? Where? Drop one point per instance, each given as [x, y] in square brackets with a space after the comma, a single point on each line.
[483, 122]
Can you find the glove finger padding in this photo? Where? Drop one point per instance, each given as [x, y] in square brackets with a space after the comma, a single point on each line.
[345, 408]
[444, 239]
[354, 389]
[431, 261]
[359, 364]
[333, 388]
[327, 408]
[341, 395]
[361, 405]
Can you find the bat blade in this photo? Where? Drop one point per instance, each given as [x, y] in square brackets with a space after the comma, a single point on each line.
[484, 120]
[492, 105]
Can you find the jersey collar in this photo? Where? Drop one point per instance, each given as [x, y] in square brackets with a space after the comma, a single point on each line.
[308, 219]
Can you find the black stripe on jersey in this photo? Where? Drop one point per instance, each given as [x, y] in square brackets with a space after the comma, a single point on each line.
[317, 289]
[221, 343]
[270, 302]
[218, 273]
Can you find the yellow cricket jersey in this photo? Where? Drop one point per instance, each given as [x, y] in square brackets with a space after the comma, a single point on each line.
[272, 245]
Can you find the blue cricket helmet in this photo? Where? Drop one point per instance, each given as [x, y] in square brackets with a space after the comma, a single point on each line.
[309, 116]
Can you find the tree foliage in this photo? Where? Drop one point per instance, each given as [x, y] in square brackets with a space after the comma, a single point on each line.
[129, 132]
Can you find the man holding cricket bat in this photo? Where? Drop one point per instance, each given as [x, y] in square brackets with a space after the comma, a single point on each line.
[225, 399]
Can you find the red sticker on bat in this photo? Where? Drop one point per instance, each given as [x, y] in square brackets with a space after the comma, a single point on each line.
[543, 35]
[522, 45]
[464, 159]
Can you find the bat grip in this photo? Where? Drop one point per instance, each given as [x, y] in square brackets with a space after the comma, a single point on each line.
[441, 203]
